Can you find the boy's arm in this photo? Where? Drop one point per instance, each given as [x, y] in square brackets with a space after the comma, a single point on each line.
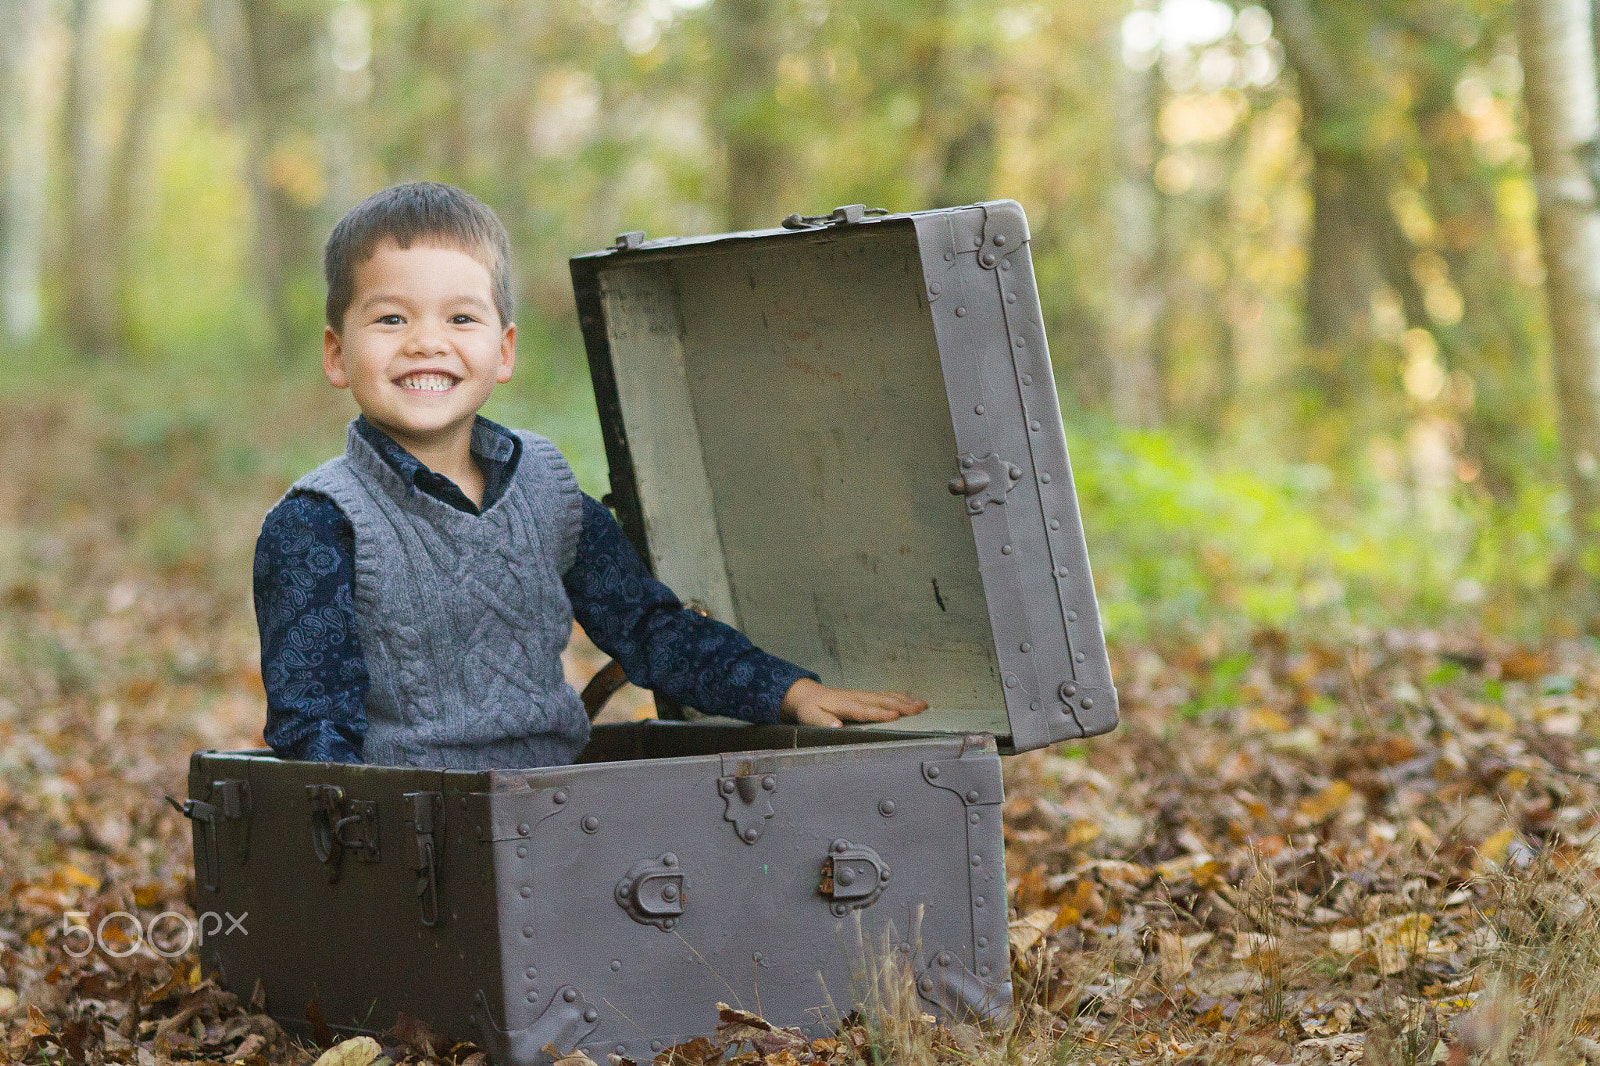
[697, 661]
[311, 661]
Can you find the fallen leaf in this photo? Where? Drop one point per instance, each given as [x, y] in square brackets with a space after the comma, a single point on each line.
[1396, 941]
[1175, 957]
[1081, 831]
[1211, 875]
[252, 1045]
[357, 1051]
[1492, 852]
[697, 1052]
[417, 1036]
[66, 875]
[576, 1058]
[1228, 983]
[1031, 928]
[1524, 665]
[1320, 807]
[1265, 720]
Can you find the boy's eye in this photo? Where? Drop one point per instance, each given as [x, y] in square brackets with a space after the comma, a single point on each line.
[389, 320]
[461, 318]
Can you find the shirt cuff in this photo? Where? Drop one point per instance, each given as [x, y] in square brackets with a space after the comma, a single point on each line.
[767, 704]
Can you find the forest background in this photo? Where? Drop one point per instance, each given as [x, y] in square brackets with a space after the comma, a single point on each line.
[1320, 281]
[1288, 254]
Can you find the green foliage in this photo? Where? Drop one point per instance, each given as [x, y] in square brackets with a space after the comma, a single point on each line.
[1183, 539]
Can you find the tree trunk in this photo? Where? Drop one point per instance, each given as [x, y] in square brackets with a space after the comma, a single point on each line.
[268, 58]
[1140, 296]
[1559, 89]
[1356, 239]
[956, 134]
[128, 169]
[755, 155]
[24, 116]
[1340, 274]
[90, 261]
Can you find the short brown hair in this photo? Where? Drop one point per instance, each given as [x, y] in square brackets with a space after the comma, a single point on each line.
[419, 211]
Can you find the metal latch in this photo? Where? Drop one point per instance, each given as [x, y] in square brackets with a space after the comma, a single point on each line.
[627, 242]
[231, 801]
[652, 892]
[427, 819]
[847, 215]
[985, 480]
[338, 825]
[853, 876]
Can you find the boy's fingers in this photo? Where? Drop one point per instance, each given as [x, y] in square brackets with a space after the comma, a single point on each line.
[866, 712]
[880, 706]
[818, 716]
[894, 701]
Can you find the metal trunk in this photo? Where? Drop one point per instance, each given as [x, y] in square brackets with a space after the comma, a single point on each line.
[842, 437]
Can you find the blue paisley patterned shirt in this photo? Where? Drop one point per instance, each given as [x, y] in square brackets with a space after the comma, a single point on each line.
[311, 660]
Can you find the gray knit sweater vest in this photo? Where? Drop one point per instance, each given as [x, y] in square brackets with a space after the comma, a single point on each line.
[462, 617]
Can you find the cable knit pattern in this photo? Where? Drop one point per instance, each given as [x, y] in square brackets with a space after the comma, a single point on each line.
[567, 482]
[463, 617]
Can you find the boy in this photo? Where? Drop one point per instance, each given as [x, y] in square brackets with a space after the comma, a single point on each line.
[414, 594]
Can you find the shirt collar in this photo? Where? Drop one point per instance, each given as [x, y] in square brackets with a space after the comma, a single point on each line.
[495, 446]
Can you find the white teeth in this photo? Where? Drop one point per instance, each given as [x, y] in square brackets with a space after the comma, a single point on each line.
[428, 382]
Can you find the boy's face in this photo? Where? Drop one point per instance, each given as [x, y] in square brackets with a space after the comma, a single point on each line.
[421, 346]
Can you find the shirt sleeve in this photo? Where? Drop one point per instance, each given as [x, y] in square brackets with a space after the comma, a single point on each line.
[311, 661]
[662, 645]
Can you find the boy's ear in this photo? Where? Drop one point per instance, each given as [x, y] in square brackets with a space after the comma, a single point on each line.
[333, 359]
[508, 354]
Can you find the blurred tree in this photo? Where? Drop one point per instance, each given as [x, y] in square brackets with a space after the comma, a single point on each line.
[89, 268]
[1139, 298]
[131, 163]
[745, 114]
[23, 167]
[953, 71]
[1563, 129]
[271, 55]
[1356, 164]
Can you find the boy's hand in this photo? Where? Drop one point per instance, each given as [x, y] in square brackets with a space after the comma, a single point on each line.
[810, 703]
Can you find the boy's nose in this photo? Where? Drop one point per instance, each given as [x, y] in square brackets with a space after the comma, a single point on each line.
[427, 340]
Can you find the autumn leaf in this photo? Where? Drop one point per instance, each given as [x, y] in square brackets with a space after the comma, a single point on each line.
[1031, 928]
[1175, 957]
[357, 1051]
[1325, 803]
[574, 1058]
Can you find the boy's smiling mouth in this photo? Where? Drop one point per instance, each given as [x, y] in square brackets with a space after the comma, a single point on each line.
[428, 381]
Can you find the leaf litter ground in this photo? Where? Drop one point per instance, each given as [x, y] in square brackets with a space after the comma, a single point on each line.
[1372, 846]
